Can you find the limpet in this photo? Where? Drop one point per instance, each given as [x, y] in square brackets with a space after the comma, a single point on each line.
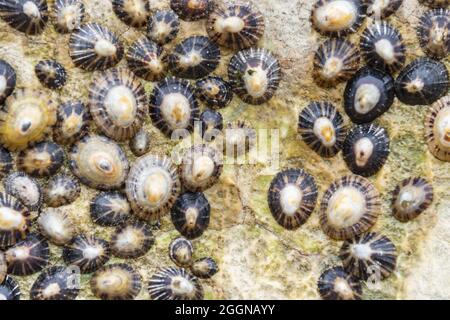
[292, 197]
[61, 190]
[55, 283]
[411, 197]
[214, 91]
[382, 9]
[14, 220]
[211, 124]
[44, 159]
[192, 10]
[27, 16]
[174, 284]
[24, 188]
[56, 225]
[181, 252]
[204, 268]
[134, 13]
[336, 284]
[110, 209]
[9, 289]
[7, 80]
[51, 74]
[68, 15]
[72, 122]
[132, 240]
[140, 143]
[163, 26]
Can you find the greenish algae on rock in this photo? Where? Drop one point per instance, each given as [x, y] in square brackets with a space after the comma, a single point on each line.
[257, 258]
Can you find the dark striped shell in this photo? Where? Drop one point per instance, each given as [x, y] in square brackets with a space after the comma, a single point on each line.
[27, 16]
[9, 289]
[336, 284]
[433, 33]
[163, 26]
[195, 57]
[204, 268]
[192, 10]
[382, 47]
[190, 214]
[7, 80]
[369, 256]
[174, 107]
[94, 47]
[368, 95]
[174, 284]
[322, 128]
[382, 9]
[99, 162]
[214, 91]
[411, 198]
[181, 252]
[72, 122]
[366, 149]
[132, 240]
[134, 13]
[336, 18]
[140, 144]
[51, 74]
[118, 103]
[335, 61]
[235, 25]
[12, 210]
[56, 225]
[147, 60]
[28, 256]
[24, 188]
[349, 207]
[26, 118]
[110, 209]
[292, 197]
[55, 283]
[44, 159]
[422, 82]
[117, 281]
[211, 124]
[437, 129]
[68, 15]
[254, 75]
[61, 190]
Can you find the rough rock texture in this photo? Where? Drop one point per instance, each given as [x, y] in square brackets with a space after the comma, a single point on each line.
[257, 258]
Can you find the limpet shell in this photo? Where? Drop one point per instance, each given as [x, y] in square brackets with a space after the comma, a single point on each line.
[24, 188]
[55, 283]
[437, 129]
[174, 284]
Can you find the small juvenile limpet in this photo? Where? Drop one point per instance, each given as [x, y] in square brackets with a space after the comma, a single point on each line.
[51, 74]
[204, 268]
[422, 82]
[132, 240]
[110, 209]
[152, 186]
[6, 162]
[254, 75]
[174, 284]
[381, 9]
[140, 143]
[292, 197]
[72, 122]
[240, 138]
[214, 92]
[336, 284]
[349, 207]
[26, 118]
[88, 253]
[369, 255]
[7, 80]
[236, 25]
[28, 256]
[27, 16]
[192, 10]
[9, 289]
[368, 95]
[118, 103]
[41, 160]
[200, 168]
[99, 162]
[434, 33]
[14, 220]
[411, 197]
[190, 214]
[56, 225]
[382, 47]
[147, 60]
[181, 252]
[68, 15]
[3, 267]
[211, 124]
[335, 61]
[173, 106]
[117, 281]
[94, 47]
[134, 13]
[436, 3]
[163, 26]
[338, 18]
[437, 129]
[322, 128]
[24, 188]
[194, 58]
[366, 149]
[55, 283]
[61, 190]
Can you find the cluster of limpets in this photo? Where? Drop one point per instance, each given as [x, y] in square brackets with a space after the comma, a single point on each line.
[50, 145]
[350, 206]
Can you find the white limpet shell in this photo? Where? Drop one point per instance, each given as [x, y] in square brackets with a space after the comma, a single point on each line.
[174, 284]
[68, 15]
[363, 150]
[385, 50]
[152, 186]
[56, 225]
[290, 199]
[367, 97]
